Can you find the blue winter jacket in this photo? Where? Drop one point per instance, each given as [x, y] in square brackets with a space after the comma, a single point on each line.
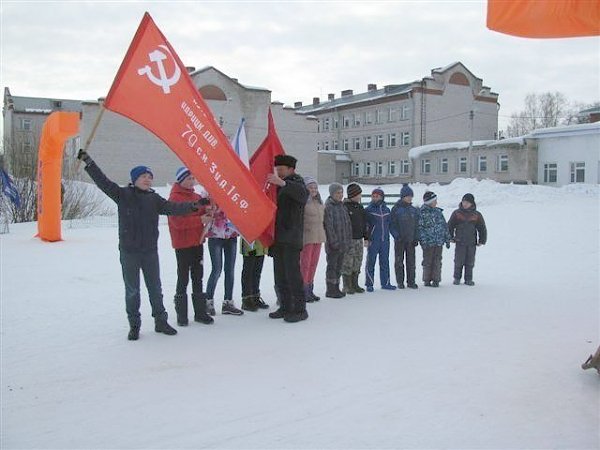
[433, 229]
[404, 222]
[378, 221]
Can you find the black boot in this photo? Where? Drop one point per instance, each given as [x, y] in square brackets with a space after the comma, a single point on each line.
[181, 308]
[260, 302]
[162, 326]
[357, 288]
[200, 311]
[348, 286]
[134, 333]
[249, 303]
[312, 293]
[333, 290]
[307, 294]
[280, 312]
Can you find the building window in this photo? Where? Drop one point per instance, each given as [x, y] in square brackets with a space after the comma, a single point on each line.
[391, 140]
[425, 166]
[356, 169]
[405, 138]
[356, 143]
[336, 145]
[443, 165]
[318, 146]
[346, 145]
[405, 167]
[318, 125]
[336, 123]
[346, 121]
[391, 114]
[379, 168]
[368, 143]
[357, 120]
[326, 124]
[404, 111]
[462, 164]
[326, 145]
[577, 172]
[27, 145]
[502, 163]
[26, 124]
[392, 168]
[368, 118]
[378, 116]
[367, 169]
[482, 164]
[379, 141]
[550, 173]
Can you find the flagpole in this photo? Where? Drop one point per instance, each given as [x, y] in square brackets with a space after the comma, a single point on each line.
[92, 133]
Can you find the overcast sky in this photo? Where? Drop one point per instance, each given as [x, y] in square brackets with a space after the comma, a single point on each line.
[298, 50]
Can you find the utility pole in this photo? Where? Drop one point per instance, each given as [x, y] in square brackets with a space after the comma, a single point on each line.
[470, 157]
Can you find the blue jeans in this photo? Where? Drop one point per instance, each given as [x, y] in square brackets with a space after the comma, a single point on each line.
[381, 249]
[218, 248]
[147, 262]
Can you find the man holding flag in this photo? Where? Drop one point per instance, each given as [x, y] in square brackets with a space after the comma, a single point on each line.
[289, 230]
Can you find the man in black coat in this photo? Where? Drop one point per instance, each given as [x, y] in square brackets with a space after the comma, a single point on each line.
[289, 229]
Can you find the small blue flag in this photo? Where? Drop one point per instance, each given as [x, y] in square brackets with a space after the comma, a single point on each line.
[9, 189]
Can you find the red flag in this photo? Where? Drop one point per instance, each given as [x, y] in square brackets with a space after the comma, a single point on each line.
[261, 164]
[153, 88]
[544, 19]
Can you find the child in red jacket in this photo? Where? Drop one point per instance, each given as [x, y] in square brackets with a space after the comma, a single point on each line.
[187, 237]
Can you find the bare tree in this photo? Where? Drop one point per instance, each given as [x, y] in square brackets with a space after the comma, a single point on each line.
[79, 199]
[545, 110]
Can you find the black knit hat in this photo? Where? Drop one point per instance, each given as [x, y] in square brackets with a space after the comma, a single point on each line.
[469, 198]
[353, 190]
[285, 160]
[429, 197]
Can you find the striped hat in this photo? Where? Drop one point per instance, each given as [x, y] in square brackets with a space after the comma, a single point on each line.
[353, 190]
[429, 197]
[181, 174]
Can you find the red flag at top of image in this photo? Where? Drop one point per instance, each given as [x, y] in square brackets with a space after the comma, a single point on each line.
[261, 164]
[153, 88]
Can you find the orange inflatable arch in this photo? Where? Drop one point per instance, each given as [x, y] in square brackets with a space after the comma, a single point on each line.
[59, 127]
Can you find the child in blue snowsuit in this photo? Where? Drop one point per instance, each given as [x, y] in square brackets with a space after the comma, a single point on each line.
[378, 226]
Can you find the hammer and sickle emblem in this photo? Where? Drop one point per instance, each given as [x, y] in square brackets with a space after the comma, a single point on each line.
[162, 80]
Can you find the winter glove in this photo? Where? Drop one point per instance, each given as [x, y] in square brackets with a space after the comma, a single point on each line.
[82, 155]
[415, 243]
[447, 244]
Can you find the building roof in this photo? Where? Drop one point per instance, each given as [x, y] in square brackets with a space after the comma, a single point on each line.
[593, 110]
[417, 152]
[570, 130]
[233, 80]
[387, 91]
[42, 105]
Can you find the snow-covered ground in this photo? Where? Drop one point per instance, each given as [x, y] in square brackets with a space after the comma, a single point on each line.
[495, 366]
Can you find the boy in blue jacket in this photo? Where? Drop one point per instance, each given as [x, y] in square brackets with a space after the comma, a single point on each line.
[138, 210]
[378, 226]
[404, 227]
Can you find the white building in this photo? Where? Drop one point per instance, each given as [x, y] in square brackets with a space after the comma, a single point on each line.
[569, 154]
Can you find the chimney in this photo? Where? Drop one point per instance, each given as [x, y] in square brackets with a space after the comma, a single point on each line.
[330, 97]
[190, 69]
[347, 93]
[316, 101]
[371, 87]
[298, 105]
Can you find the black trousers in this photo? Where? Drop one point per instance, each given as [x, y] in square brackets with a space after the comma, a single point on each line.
[464, 256]
[288, 278]
[189, 262]
[335, 260]
[251, 273]
[432, 264]
[402, 250]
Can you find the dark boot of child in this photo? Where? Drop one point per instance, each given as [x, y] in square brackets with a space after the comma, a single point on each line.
[348, 286]
[357, 288]
[200, 309]
[181, 308]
